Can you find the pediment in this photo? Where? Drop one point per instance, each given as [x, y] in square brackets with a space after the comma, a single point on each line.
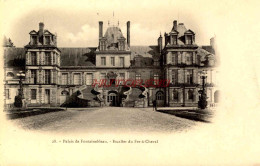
[33, 32]
[189, 32]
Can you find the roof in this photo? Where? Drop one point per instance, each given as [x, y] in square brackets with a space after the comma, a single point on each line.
[144, 55]
[113, 34]
[145, 51]
[209, 49]
[77, 56]
[204, 54]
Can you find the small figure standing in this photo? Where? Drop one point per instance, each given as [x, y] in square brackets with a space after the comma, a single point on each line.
[154, 105]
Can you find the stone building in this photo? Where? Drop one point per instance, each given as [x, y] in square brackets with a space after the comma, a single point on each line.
[97, 76]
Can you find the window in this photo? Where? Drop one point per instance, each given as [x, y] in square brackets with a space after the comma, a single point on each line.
[156, 79]
[47, 40]
[54, 59]
[34, 40]
[102, 45]
[138, 76]
[47, 76]
[112, 61]
[174, 39]
[33, 77]
[33, 58]
[189, 39]
[175, 95]
[189, 76]
[103, 61]
[189, 58]
[7, 93]
[47, 58]
[122, 61]
[159, 96]
[174, 76]
[64, 78]
[190, 94]
[77, 80]
[33, 94]
[89, 79]
[174, 58]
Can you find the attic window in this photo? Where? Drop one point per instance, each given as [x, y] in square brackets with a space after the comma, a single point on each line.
[188, 39]
[174, 39]
[34, 40]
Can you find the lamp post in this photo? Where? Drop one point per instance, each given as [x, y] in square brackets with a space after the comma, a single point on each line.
[203, 96]
[21, 75]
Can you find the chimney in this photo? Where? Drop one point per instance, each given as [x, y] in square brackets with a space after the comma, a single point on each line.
[41, 26]
[160, 43]
[165, 38]
[100, 29]
[128, 33]
[175, 25]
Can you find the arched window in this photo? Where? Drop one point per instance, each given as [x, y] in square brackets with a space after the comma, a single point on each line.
[190, 94]
[159, 96]
[175, 95]
[216, 96]
[10, 74]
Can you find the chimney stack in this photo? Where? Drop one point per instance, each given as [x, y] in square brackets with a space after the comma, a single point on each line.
[41, 26]
[160, 43]
[100, 29]
[175, 25]
[128, 33]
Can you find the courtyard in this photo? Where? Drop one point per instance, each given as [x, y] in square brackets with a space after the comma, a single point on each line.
[105, 120]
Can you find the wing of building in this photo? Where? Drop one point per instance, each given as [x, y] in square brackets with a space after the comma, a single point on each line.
[112, 74]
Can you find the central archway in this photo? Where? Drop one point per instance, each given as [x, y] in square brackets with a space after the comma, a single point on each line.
[112, 98]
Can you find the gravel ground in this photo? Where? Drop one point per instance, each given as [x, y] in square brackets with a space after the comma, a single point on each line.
[105, 120]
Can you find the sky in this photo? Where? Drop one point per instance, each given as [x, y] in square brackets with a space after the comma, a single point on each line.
[76, 24]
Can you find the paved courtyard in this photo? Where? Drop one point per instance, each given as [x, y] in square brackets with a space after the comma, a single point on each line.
[105, 120]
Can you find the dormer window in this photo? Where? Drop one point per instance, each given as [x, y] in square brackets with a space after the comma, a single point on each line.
[102, 45]
[174, 39]
[188, 39]
[47, 40]
[34, 40]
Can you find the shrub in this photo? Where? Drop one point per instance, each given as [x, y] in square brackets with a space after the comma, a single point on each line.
[18, 101]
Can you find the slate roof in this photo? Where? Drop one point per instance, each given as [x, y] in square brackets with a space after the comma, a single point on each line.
[77, 56]
[145, 51]
[209, 49]
[113, 34]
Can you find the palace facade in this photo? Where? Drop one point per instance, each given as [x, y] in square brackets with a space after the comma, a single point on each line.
[55, 75]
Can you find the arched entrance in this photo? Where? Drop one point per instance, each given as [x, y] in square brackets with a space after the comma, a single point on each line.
[112, 98]
[216, 96]
[160, 98]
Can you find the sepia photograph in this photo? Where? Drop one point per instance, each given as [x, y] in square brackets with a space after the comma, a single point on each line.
[116, 80]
